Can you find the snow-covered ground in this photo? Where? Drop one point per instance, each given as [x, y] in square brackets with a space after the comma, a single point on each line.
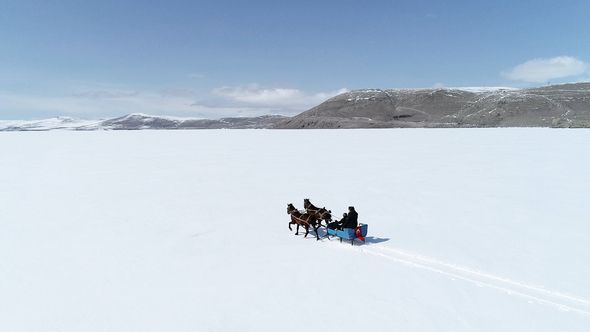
[469, 230]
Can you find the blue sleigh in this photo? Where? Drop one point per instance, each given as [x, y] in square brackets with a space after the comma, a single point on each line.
[349, 233]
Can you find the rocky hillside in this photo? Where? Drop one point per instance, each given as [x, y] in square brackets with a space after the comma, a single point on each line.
[564, 105]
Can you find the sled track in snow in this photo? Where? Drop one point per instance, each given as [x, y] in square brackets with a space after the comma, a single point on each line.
[561, 301]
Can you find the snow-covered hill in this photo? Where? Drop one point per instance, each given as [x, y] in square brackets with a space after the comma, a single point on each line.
[61, 122]
[469, 230]
[139, 121]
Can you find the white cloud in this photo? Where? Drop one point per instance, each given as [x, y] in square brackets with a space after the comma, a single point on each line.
[250, 100]
[256, 96]
[106, 94]
[90, 106]
[543, 70]
[178, 92]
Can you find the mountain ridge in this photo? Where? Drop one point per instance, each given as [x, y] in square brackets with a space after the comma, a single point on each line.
[555, 106]
[561, 105]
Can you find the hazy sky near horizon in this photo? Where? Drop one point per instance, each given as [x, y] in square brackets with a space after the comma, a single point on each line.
[97, 59]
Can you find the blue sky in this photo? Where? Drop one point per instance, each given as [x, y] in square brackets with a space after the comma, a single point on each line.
[97, 59]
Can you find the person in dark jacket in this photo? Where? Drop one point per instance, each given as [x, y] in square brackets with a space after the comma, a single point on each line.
[337, 224]
[352, 219]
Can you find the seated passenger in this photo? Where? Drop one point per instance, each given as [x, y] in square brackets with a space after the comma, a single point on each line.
[337, 224]
[352, 219]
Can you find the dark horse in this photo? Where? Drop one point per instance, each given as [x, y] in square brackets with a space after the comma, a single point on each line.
[302, 219]
[319, 213]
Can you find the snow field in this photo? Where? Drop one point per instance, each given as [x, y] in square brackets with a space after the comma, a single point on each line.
[469, 230]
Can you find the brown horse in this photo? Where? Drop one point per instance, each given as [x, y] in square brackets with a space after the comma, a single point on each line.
[319, 213]
[302, 219]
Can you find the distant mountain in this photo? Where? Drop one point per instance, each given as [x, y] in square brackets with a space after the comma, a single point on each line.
[141, 121]
[563, 105]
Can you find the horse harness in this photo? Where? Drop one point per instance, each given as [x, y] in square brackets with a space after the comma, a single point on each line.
[317, 211]
[300, 219]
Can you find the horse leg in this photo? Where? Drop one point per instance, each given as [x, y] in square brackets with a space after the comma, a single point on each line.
[306, 231]
[316, 233]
